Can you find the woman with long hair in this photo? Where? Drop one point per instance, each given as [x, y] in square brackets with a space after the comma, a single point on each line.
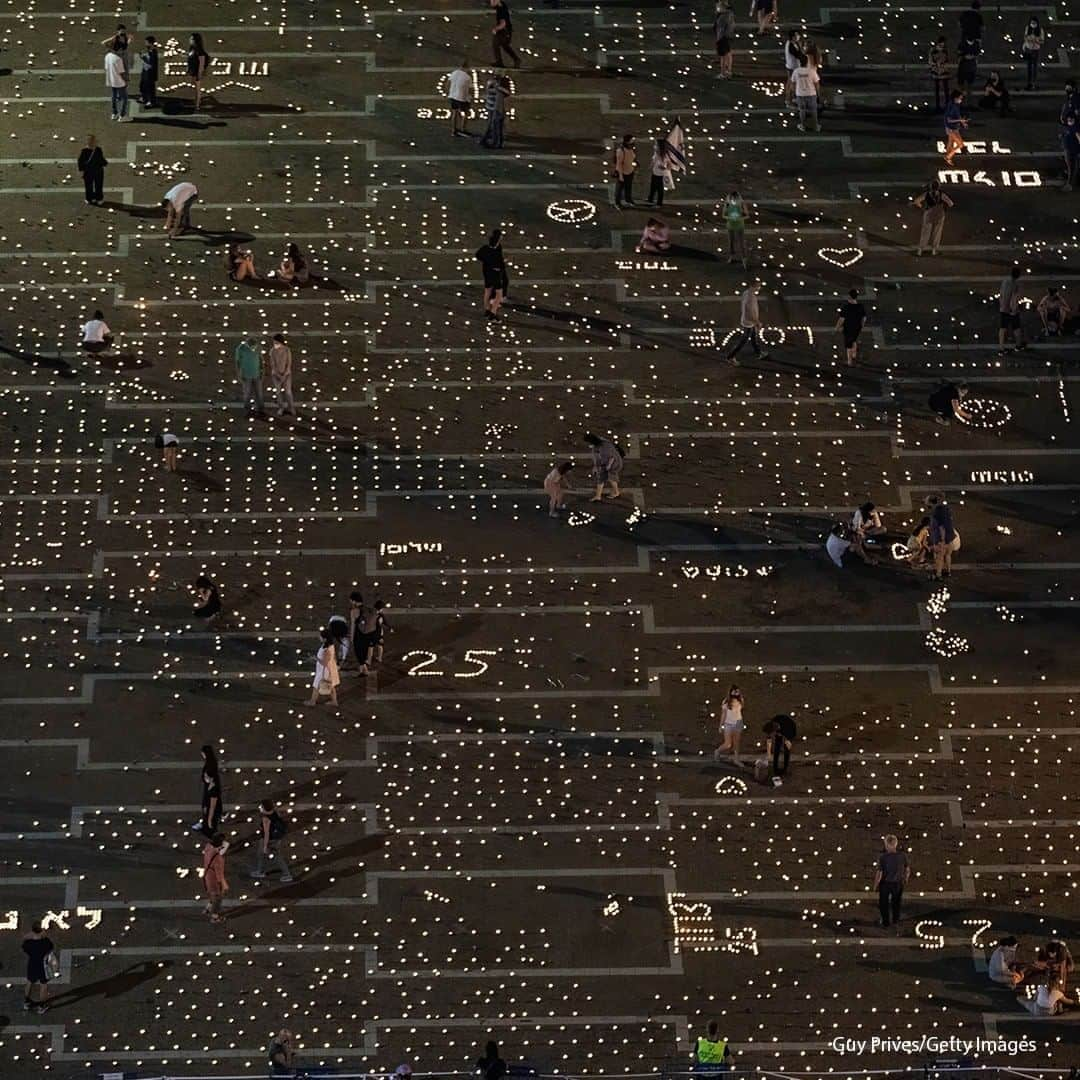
[198, 61]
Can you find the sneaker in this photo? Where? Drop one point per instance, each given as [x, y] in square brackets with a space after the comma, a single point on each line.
[286, 880]
[41, 1009]
[763, 355]
[27, 1005]
[197, 827]
[777, 782]
[800, 127]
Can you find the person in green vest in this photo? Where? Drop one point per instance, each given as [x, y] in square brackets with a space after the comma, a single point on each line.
[734, 211]
[249, 373]
[711, 1053]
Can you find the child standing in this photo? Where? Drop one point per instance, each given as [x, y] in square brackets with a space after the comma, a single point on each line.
[731, 723]
[555, 485]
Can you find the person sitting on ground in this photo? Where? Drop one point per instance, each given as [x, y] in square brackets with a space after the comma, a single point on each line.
[946, 403]
[1054, 313]
[839, 541]
[97, 337]
[1059, 960]
[655, 237]
[995, 94]
[294, 268]
[1051, 998]
[1003, 967]
[239, 264]
[206, 593]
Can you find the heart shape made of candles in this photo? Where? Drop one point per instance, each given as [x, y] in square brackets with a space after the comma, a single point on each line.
[842, 257]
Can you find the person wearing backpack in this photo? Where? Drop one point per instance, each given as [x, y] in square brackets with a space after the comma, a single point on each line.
[273, 829]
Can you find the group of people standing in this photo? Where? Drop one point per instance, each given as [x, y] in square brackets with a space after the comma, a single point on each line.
[356, 640]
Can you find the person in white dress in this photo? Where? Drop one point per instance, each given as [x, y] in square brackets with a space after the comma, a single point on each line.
[327, 677]
[731, 723]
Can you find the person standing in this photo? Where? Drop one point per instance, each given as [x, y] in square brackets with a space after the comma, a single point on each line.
[273, 829]
[116, 81]
[711, 1053]
[793, 57]
[766, 13]
[955, 122]
[623, 174]
[282, 1054]
[661, 173]
[780, 735]
[494, 267]
[942, 535]
[607, 465]
[1009, 308]
[215, 883]
[148, 76]
[1070, 145]
[502, 33]
[735, 208]
[971, 22]
[724, 31]
[851, 321]
[893, 871]
[97, 337]
[1071, 105]
[967, 66]
[1032, 49]
[249, 372]
[92, 164]
[327, 678]
[731, 723]
[38, 948]
[806, 80]
[460, 95]
[749, 324]
[496, 93]
[940, 68]
[933, 202]
[198, 63]
[491, 1066]
[281, 369]
[178, 201]
[212, 798]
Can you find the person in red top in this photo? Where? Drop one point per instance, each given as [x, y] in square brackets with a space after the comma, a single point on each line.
[214, 876]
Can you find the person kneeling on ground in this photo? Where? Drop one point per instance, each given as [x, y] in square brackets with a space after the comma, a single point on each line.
[780, 735]
[655, 237]
[1003, 967]
[946, 403]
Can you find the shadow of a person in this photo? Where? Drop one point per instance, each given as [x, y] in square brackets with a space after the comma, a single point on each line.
[114, 986]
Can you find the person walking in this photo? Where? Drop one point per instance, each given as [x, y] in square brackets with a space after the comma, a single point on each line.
[494, 267]
[734, 213]
[38, 949]
[731, 723]
[780, 735]
[623, 173]
[496, 95]
[933, 202]
[806, 81]
[955, 122]
[890, 877]
[148, 75]
[460, 95]
[501, 34]
[273, 829]
[249, 372]
[660, 173]
[212, 797]
[116, 81]
[724, 31]
[327, 678]
[940, 71]
[851, 321]
[749, 324]
[215, 883]
[281, 370]
[607, 465]
[178, 201]
[1032, 50]
[1009, 308]
[766, 12]
[91, 164]
[198, 63]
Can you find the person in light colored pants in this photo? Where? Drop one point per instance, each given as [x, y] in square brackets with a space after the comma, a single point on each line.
[281, 368]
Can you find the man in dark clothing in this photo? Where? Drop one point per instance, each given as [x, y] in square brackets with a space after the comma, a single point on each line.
[490, 1066]
[971, 22]
[780, 733]
[502, 33]
[92, 166]
[852, 320]
[148, 77]
[1071, 105]
[890, 878]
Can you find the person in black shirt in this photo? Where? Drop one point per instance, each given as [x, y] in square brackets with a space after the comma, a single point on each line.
[491, 259]
[780, 733]
[490, 1066]
[37, 947]
[148, 77]
[890, 878]
[501, 34]
[852, 320]
[212, 805]
[971, 23]
[92, 164]
[945, 401]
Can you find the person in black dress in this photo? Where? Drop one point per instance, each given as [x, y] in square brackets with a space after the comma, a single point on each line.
[852, 320]
[92, 164]
[491, 259]
[211, 794]
[37, 947]
[198, 61]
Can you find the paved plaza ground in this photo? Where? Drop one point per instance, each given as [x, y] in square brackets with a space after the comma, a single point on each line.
[516, 828]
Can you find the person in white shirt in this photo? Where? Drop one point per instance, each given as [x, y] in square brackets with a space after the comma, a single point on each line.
[177, 203]
[460, 94]
[793, 57]
[749, 324]
[1003, 967]
[837, 544]
[97, 336]
[805, 79]
[1050, 998]
[116, 81]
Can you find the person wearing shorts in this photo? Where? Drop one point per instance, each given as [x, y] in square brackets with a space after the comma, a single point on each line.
[460, 94]
[766, 13]
[1009, 311]
[731, 723]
